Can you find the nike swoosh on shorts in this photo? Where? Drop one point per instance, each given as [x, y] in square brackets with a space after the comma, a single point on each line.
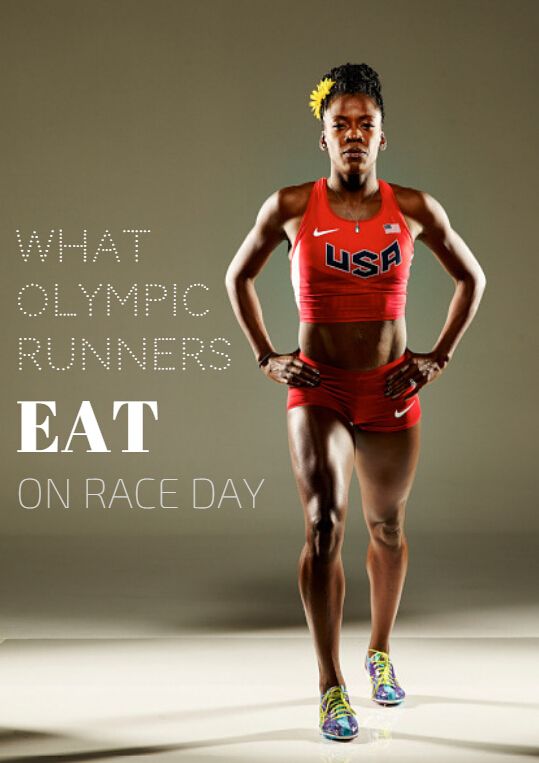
[401, 413]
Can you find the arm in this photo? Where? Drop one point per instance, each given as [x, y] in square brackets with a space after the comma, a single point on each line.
[436, 232]
[249, 260]
[266, 234]
[462, 266]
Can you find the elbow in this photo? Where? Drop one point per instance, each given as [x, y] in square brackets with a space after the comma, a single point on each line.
[230, 280]
[474, 286]
[233, 279]
[480, 282]
[475, 281]
[480, 278]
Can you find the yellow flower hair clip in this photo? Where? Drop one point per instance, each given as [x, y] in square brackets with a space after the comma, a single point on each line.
[318, 95]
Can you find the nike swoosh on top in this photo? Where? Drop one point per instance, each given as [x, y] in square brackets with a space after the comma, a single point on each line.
[401, 413]
[317, 232]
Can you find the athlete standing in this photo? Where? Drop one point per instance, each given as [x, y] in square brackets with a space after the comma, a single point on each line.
[353, 384]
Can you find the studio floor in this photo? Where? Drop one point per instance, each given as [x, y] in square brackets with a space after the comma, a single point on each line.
[235, 698]
[115, 650]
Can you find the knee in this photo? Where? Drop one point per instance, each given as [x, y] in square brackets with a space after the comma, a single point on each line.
[325, 533]
[389, 531]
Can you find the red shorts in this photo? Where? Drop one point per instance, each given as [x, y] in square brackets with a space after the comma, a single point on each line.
[359, 396]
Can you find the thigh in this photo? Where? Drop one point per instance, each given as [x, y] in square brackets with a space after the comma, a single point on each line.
[321, 444]
[386, 464]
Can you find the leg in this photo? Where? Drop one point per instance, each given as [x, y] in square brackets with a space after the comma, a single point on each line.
[322, 451]
[386, 464]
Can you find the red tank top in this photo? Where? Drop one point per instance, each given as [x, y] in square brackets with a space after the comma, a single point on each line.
[339, 275]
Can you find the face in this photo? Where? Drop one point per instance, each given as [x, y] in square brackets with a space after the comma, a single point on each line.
[352, 132]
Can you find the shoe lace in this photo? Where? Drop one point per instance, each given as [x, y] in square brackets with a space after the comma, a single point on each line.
[335, 703]
[383, 669]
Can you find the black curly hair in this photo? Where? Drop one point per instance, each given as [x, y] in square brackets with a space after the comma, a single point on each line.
[354, 78]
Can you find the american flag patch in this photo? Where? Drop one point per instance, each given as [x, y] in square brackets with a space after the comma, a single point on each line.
[392, 228]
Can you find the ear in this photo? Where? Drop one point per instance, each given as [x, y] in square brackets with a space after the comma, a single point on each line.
[322, 142]
[383, 142]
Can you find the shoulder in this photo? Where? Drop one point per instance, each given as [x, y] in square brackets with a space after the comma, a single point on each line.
[425, 212]
[287, 203]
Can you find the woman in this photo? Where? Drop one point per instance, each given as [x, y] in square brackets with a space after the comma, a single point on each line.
[353, 383]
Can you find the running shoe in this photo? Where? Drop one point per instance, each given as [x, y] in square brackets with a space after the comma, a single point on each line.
[336, 716]
[385, 687]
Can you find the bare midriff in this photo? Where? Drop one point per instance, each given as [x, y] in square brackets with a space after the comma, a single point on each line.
[357, 346]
